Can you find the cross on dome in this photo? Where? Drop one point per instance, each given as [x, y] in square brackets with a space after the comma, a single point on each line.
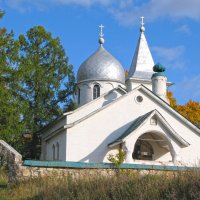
[142, 28]
[101, 39]
[142, 20]
[101, 31]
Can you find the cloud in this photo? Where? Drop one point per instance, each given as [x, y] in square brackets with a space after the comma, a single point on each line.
[155, 9]
[125, 11]
[25, 5]
[184, 29]
[188, 88]
[171, 57]
[85, 3]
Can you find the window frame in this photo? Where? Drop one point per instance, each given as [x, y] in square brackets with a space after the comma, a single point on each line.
[96, 91]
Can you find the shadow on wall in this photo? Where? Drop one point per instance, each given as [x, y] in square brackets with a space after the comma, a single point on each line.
[109, 98]
[99, 153]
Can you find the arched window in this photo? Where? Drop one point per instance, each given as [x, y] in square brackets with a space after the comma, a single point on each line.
[79, 95]
[54, 152]
[57, 149]
[96, 91]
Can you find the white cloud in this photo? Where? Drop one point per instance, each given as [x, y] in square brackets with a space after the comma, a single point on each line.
[188, 88]
[154, 9]
[125, 11]
[25, 5]
[83, 2]
[184, 29]
[171, 57]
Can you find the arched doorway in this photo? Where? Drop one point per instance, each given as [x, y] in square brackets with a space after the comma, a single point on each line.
[153, 146]
[143, 150]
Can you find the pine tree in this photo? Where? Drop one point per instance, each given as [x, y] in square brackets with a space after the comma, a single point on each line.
[47, 80]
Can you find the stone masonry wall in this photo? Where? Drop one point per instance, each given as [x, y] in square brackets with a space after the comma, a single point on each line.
[13, 158]
[27, 172]
[19, 172]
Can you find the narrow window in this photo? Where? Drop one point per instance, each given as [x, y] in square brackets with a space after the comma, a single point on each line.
[54, 153]
[57, 148]
[153, 121]
[79, 95]
[96, 91]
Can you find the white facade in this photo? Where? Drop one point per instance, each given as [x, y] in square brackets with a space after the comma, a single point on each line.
[86, 89]
[137, 120]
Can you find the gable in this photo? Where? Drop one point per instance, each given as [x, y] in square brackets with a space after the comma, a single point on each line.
[141, 121]
[165, 106]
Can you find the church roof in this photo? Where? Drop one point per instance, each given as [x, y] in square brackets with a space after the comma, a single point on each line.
[141, 88]
[142, 62]
[138, 122]
[101, 66]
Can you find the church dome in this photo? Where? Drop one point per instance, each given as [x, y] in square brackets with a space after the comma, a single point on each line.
[101, 66]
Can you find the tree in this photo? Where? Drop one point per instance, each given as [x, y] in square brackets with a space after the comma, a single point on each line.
[47, 80]
[172, 100]
[11, 125]
[191, 110]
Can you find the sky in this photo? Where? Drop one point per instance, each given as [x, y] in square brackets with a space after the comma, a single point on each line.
[172, 31]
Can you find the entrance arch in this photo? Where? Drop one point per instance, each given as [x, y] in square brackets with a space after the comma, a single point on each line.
[153, 146]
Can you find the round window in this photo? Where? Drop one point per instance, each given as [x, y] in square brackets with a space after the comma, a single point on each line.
[139, 99]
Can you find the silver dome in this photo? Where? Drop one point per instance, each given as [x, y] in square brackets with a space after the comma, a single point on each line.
[101, 66]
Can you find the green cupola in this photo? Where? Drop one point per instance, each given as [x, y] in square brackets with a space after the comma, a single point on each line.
[159, 70]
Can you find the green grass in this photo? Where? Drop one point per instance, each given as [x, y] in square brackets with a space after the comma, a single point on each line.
[124, 186]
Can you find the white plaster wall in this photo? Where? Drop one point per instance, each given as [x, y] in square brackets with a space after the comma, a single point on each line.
[61, 139]
[88, 140]
[189, 155]
[93, 106]
[132, 84]
[86, 89]
[159, 85]
[58, 124]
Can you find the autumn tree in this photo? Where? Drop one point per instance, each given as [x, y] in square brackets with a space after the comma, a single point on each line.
[191, 110]
[47, 80]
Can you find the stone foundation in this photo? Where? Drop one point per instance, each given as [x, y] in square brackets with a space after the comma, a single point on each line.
[26, 172]
[30, 169]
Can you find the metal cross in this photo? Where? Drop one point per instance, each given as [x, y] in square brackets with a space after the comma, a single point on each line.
[101, 31]
[142, 21]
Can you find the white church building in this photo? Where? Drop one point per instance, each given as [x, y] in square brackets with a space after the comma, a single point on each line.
[131, 113]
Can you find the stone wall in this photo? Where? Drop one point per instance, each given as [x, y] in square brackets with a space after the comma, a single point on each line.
[29, 169]
[35, 169]
[27, 172]
[9, 153]
[14, 159]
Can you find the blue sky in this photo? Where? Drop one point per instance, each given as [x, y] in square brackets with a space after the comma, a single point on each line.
[172, 32]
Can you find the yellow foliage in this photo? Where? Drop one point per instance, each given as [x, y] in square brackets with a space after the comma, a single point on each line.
[191, 110]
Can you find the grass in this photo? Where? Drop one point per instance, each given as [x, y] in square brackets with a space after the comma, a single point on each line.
[122, 187]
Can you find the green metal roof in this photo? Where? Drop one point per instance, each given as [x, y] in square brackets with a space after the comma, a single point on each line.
[158, 68]
[135, 124]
